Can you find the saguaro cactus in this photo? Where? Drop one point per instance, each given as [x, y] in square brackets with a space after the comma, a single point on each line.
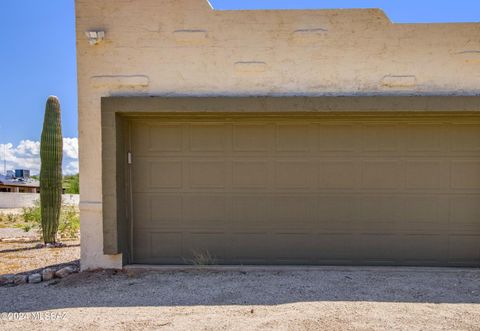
[51, 155]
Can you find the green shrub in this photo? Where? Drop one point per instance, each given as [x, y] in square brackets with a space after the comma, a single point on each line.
[69, 225]
[32, 214]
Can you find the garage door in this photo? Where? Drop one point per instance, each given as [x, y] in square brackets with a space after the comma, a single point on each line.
[306, 190]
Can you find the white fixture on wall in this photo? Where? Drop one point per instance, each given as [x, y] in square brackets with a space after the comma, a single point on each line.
[95, 37]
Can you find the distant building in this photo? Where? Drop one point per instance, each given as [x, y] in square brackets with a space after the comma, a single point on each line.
[22, 173]
[19, 185]
[19, 181]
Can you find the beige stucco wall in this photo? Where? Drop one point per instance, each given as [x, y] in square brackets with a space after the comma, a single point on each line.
[183, 47]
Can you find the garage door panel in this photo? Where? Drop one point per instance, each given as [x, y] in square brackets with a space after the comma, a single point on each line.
[465, 138]
[378, 248]
[306, 191]
[154, 174]
[293, 210]
[380, 138]
[246, 246]
[339, 174]
[207, 174]
[293, 138]
[250, 174]
[211, 247]
[292, 174]
[464, 210]
[208, 137]
[382, 174]
[251, 211]
[339, 138]
[427, 174]
[465, 174]
[205, 211]
[425, 138]
[464, 248]
[429, 249]
[252, 137]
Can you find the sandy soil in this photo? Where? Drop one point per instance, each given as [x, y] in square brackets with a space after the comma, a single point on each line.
[333, 299]
[21, 257]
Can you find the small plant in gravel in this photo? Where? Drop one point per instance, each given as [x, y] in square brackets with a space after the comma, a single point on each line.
[202, 258]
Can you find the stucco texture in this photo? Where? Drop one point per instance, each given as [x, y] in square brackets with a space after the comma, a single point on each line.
[184, 47]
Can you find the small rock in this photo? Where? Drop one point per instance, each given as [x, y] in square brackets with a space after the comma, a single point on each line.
[55, 245]
[35, 278]
[64, 272]
[6, 279]
[48, 274]
[20, 279]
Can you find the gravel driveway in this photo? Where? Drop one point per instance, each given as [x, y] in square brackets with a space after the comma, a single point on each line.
[323, 298]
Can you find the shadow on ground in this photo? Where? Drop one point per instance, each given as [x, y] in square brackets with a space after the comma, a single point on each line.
[193, 288]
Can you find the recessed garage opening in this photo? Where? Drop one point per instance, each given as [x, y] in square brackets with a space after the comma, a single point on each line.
[336, 189]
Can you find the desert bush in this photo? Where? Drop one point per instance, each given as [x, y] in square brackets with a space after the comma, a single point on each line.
[69, 225]
[201, 258]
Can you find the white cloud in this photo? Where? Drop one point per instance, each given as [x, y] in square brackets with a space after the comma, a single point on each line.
[27, 156]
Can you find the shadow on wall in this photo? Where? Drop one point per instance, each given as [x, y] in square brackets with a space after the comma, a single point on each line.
[111, 288]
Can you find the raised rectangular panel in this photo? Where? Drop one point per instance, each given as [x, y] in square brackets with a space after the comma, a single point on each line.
[380, 138]
[465, 174]
[294, 175]
[166, 245]
[426, 174]
[423, 247]
[338, 174]
[339, 208]
[336, 246]
[166, 211]
[293, 138]
[424, 137]
[464, 248]
[247, 245]
[464, 209]
[251, 137]
[338, 138]
[378, 247]
[206, 246]
[379, 208]
[165, 138]
[303, 246]
[381, 175]
[142, 212]
[208, 138]
[293, 210]
[142, 242]
[251, 211]
[165, 174]
[207, 174]
[250, 174]
[423, 209]
[207, 211]
[465, 138]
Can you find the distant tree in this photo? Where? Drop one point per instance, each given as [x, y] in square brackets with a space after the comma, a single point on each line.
[71, 183]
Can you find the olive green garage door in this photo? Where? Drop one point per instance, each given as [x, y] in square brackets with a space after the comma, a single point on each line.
[390, 190]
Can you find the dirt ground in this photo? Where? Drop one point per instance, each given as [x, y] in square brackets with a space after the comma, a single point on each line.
[318, 299]
[23, 257]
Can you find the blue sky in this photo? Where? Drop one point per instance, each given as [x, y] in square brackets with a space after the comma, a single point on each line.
[37, 56]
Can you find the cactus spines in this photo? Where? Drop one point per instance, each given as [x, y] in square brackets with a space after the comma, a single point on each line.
[51, 155]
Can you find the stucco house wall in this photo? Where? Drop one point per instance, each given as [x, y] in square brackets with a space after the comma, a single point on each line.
[185, 48]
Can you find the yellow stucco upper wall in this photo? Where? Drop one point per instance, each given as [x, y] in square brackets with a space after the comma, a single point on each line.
[183, 46]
